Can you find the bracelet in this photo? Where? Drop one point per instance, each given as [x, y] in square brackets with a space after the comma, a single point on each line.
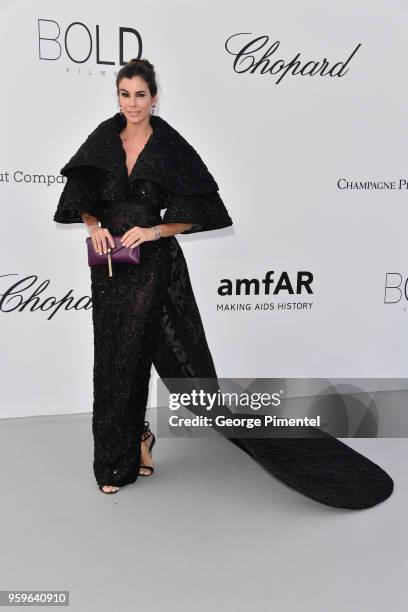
[157, 232]
[92, 226]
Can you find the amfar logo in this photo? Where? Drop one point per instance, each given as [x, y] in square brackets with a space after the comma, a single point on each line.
[396, 288]
[301, 282]
[255, 56]
[79, 42]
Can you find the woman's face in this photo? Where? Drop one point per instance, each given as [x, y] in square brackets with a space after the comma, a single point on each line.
[135, 99]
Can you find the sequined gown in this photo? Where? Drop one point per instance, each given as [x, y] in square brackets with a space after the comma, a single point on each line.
[143, 314]
[147, 314]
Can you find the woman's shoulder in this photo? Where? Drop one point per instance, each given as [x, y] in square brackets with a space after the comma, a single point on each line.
[172, 160]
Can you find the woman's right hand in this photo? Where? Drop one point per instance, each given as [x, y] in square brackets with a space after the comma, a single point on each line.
[101, 239]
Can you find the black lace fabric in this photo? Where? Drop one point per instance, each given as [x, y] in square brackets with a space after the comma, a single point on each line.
[205, 211]
[143, 315]
[126, 312]
[80, 194]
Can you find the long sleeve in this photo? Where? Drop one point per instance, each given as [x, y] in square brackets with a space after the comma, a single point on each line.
[206, 211]
[80, 194]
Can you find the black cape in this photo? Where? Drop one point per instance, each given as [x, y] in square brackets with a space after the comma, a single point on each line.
[99, 177]
[171, 173]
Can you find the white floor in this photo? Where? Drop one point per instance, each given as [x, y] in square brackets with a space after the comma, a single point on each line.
[209, 531]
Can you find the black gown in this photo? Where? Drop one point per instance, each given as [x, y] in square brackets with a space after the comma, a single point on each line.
[147, 314]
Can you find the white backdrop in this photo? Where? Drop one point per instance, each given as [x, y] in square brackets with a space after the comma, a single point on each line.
[277, 151]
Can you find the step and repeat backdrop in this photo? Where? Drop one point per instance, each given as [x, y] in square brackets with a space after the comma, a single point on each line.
[298, 110]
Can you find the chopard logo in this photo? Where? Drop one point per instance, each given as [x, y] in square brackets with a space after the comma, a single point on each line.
[13, 299]
[255, 56]
[78, 42]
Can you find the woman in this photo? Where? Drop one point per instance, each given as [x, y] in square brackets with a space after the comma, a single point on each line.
[132, 166]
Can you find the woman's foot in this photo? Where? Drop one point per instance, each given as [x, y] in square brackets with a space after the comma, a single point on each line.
[146, 461]
[147, 442]
[108, 488]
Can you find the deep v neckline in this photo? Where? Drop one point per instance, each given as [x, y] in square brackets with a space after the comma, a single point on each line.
[138, 157]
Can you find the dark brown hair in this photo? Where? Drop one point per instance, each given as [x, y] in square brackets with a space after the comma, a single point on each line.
[142, 68]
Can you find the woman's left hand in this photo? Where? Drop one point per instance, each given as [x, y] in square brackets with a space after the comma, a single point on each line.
[136, 235]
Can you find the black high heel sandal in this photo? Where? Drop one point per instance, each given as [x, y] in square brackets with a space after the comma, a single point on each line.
[145, 436]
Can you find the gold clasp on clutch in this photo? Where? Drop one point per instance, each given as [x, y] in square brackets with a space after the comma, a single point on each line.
[109, 261]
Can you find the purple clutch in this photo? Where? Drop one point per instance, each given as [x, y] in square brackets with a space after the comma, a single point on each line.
[120, 254]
